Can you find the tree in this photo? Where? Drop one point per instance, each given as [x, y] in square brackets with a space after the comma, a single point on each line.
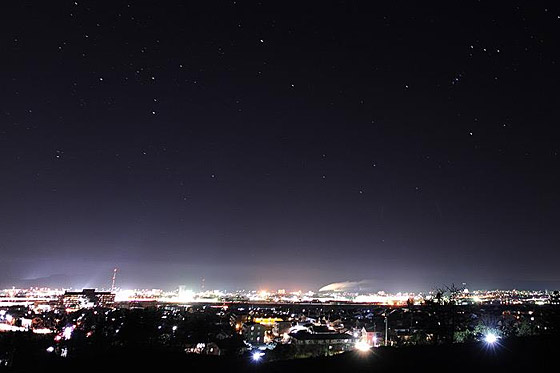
[445, 299]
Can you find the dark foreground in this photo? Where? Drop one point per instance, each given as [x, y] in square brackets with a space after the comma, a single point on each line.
[520, 354]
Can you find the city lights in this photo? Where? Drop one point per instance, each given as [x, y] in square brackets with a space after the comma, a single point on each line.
[306, 324]
[45, 299]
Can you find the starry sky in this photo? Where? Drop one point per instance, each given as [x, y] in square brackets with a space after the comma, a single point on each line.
[280, 144]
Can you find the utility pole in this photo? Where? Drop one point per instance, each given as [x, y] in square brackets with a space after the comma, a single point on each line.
[386, 323]
[386, 327]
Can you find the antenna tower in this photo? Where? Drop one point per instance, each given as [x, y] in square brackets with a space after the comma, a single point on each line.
[114, 279]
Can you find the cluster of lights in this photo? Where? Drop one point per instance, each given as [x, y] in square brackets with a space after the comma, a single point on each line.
[40, 298]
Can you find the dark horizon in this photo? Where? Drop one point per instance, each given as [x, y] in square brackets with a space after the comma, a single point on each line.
[280, 145]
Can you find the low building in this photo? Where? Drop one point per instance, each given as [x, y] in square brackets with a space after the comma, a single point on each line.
[281, 328]
[254, 334]
[315, 344]
[87, 298]
[371, 336]
[237, 320]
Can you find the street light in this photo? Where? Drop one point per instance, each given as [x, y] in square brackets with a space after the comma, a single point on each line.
[490, 338]
[386, 323]
[362, 346]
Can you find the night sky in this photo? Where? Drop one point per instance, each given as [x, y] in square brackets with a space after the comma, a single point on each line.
[280, 145]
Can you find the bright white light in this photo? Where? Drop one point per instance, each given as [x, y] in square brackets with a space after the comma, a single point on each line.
[124, 295]
[257, 356]
[362, 346]
[185, 295]
[50, 349]
[67, 333]
[174, 327]
[42, 331]
[490, 338]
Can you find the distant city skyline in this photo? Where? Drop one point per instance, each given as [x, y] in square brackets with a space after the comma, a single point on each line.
[135, 281]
